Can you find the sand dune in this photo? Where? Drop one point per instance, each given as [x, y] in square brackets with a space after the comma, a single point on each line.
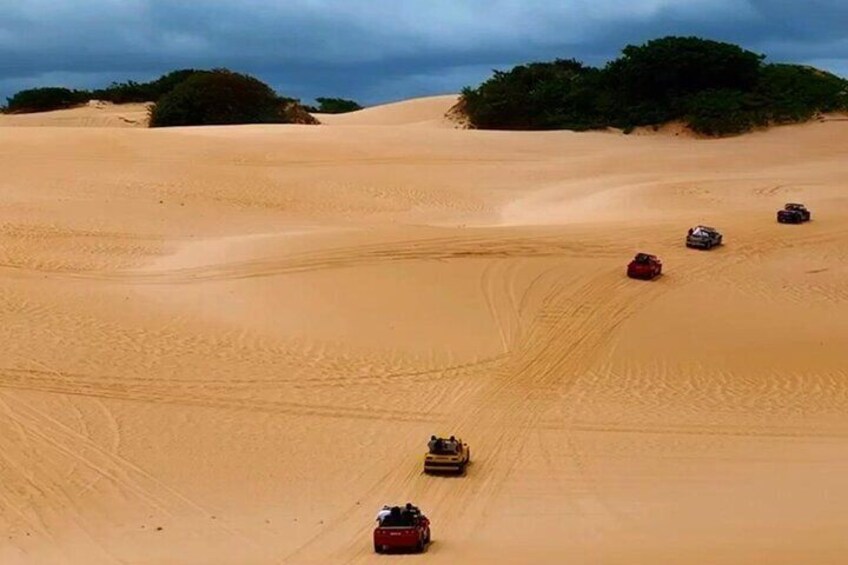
[229, 345]
[93, 114]
[420, 111]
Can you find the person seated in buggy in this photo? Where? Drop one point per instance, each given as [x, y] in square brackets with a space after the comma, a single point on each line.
[401, 517]
[442, 446]
[384, 511]
[412, 510]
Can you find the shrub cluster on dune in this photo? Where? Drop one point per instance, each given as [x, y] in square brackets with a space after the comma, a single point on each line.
[218, 97]
[715, 88]
[44, 99]
[188, 97]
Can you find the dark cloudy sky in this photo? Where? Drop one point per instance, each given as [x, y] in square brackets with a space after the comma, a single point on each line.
[382, 50]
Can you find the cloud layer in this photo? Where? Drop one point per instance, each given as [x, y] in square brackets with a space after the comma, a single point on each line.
[380, 50]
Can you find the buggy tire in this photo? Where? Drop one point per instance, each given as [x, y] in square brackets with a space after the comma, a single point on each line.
[378, 548]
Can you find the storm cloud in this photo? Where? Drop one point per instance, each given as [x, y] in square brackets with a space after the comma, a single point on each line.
[381, 50]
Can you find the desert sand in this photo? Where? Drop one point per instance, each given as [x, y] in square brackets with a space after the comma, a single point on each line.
[96, 113]
[229, 345]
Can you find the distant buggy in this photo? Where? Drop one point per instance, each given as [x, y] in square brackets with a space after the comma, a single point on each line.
[446, 455]
[793, 213]
[644, 266]
[703, 237]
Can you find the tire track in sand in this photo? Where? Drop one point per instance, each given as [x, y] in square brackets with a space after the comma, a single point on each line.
[45, 433]
[432, 249]
[156, 391]
[577, 317]
[559, 346]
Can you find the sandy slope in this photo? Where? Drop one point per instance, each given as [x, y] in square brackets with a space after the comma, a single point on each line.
[428, 111]
[94, 114]
[229, 345]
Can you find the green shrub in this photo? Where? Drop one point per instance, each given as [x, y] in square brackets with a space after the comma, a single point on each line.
[54, 98]
[131, 91]
[217, 97]
[335, 106]
[124, 92]
[717, 88]
[796, 93]
[664, 69]
[167, 82]
[724, 112]
[45, 99]
[535, 96]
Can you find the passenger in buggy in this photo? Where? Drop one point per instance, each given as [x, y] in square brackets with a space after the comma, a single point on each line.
[401, 517]
[409, 514]
[441, 446]
[384, 511]
[412, 509]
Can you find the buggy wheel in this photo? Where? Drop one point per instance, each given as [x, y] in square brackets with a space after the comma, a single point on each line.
[378, 548]
[419, 547]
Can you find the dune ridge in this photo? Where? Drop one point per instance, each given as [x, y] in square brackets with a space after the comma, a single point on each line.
[93, 114]
[430, 110]
[228, 345]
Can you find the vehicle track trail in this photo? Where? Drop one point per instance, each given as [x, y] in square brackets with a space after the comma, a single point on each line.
[229, 345]
[578, 314]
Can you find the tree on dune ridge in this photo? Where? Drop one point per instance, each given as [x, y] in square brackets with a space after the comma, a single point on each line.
[716, 88]
[218, 97]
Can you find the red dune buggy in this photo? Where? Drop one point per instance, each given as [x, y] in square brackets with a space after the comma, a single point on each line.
[644, 266]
